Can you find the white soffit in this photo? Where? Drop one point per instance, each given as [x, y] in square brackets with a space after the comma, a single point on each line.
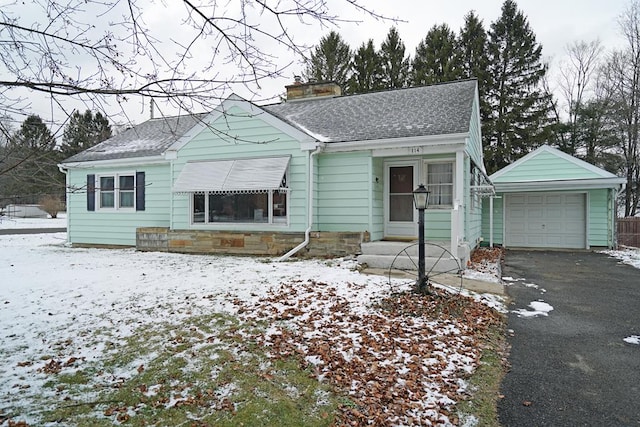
[232, 176]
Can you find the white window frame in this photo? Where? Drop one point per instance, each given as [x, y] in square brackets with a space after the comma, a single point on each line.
[116, 192]
[425, 171]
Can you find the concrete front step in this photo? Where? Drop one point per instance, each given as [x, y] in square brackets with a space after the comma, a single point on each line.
[402, 262]
[404, 256]
[432, 248]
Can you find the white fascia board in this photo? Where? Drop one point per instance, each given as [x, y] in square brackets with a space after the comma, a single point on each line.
[576, 184]
[311, 146]
[134, 161]
[251, 109]
[452, 140]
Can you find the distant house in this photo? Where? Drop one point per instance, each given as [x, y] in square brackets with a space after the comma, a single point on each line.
[24, 211]
[319, 174]
[549, 199]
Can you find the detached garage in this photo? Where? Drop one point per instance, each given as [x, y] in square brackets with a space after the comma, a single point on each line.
[549, 199]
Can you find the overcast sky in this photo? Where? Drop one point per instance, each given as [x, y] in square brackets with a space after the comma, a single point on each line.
[556, 23]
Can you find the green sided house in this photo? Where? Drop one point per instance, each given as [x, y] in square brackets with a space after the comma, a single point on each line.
[319, 174]
[549, 199]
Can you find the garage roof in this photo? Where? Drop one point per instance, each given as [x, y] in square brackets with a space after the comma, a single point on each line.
[548, 168]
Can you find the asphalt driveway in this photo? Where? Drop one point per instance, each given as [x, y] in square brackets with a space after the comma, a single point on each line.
[571, 367]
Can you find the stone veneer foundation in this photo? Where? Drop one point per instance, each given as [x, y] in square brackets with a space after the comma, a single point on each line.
[321, 244]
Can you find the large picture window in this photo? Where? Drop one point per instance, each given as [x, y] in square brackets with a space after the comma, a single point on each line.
[269, 207]
[439, 179]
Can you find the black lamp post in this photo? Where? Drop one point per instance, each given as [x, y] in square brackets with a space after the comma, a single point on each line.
[421, 201]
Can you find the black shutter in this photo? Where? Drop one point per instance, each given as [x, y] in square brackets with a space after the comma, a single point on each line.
[140, 191]
[91, 192]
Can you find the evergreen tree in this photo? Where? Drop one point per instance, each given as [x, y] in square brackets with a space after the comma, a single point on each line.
[330, 60]
[473, 59]
[30, 167]
[367, 70]
[519, 106]
[596, 135]
[436, 59]
[472, 49]
[395, 66]
[84, 131]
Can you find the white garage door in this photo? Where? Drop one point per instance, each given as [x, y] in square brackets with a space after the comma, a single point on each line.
[545, 220]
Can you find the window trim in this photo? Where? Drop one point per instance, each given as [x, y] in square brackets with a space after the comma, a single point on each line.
[116, 192]
[425, 172]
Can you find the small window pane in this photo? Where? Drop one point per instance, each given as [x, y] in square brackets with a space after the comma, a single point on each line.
[126, 199]
[127, 182]
[106, 199]
[279, 206]
[198, 208]
[106, 183]
[440, 184]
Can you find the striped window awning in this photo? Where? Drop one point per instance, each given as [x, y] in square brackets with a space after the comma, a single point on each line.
[232, 176]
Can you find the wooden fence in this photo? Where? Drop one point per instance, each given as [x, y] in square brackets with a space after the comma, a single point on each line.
[629, 231]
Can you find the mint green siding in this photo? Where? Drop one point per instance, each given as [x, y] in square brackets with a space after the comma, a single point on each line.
[474, 142]
[543, 167]
[598, 218]
[238, 135]
[377, 199]
[437, 224]
[344, 191]
[116, 227]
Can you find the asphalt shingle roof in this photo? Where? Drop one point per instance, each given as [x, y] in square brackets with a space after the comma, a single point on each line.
[150, 138]
[421, 111]
[440, 109]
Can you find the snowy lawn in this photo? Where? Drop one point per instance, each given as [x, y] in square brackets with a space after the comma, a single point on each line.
[59, 222]
[103, 337]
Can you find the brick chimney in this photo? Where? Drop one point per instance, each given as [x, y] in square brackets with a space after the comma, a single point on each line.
[299, 90]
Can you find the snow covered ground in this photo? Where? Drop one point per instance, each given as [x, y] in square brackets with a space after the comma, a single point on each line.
[59, 222]
[60, 303]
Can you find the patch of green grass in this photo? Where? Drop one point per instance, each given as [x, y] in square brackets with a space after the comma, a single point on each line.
[485, 382]
[206, 371]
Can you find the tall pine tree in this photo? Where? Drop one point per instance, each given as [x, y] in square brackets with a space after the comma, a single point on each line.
[473, 59]
[84, 131]
[367, 70]
[330, 60]
[395, 66]
[436, 58]
[30, 170]
[519, 117]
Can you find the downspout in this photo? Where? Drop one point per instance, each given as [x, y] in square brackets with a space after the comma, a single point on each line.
[66, 195]
[307, 233]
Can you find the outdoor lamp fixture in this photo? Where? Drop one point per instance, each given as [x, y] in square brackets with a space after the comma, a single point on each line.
[421, 200]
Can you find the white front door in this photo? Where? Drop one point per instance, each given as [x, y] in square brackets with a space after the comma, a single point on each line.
[400, 214]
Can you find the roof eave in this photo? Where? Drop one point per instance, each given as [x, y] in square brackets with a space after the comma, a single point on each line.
[453, 139]
[130, 161]
[554, 185]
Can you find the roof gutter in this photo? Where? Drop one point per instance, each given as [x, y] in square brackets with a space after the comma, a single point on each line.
[307, 233]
